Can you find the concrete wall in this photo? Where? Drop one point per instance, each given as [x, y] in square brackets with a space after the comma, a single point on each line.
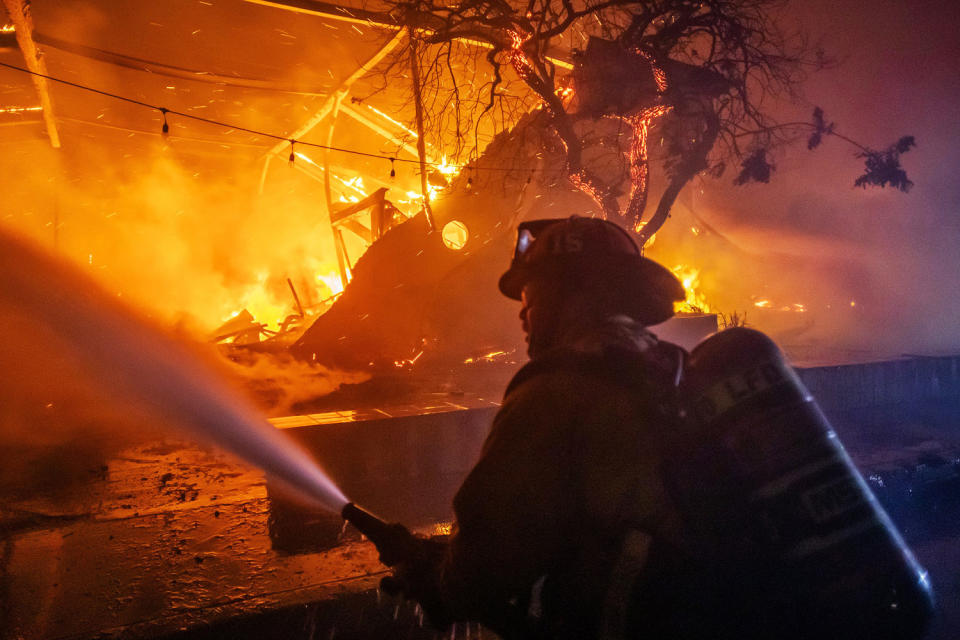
[916, 388]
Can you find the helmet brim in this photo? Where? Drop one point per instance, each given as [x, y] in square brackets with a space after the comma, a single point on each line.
[639, 277]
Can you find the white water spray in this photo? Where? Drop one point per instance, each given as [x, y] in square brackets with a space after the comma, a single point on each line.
[53, 318]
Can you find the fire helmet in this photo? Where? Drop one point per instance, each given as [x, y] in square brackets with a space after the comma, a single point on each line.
[596, 252]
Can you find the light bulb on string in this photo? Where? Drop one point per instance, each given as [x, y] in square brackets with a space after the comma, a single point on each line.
[165, 127]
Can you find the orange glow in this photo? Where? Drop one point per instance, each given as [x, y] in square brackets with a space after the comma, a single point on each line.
[446, 168]
[392, 121]
[455, 235]
[332, 282]
[7, 28]
[765, 303]
[19, 109]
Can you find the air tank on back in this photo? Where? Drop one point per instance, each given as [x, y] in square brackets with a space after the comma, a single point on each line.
[764, 483]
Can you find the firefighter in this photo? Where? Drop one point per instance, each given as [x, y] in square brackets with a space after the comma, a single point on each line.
[627, 490]
[565, 505]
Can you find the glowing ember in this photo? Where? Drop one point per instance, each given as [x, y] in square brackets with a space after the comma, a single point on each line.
[409, 362]
[766, 303]
[521, 63]
[639, 169]
[583, 182]
[490, 357]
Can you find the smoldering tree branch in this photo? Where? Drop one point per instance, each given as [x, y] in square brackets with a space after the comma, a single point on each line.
[697, 72]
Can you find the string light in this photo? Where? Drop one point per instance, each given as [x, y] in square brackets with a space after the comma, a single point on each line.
[293, 156]
[469, 178]
[393, 171]
[165, 130]
[226, 125]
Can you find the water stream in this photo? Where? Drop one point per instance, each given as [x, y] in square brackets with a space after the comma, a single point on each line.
[60, 331]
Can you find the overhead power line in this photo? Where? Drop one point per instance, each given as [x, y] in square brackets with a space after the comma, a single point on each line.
[164, 112]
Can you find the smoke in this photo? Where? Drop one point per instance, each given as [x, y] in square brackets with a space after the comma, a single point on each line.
[277, 382]
[190, 246]
[875, 269]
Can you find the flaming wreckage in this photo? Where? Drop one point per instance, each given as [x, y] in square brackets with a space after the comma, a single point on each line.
[426, 285]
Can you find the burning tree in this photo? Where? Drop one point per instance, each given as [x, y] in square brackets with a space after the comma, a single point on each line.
[701, 73]
[576, 90]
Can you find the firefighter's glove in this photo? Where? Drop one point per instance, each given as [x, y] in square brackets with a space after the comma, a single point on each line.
[417, 577]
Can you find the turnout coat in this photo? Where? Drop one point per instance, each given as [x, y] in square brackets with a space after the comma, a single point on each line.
[567, 501]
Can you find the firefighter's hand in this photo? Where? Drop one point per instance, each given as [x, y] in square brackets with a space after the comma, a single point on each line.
[417, 578]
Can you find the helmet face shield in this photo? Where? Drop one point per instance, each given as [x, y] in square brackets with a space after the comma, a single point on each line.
[528, 231]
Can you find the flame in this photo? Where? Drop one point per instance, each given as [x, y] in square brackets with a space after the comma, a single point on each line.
[695, 301]
[639, 227]
[446, 168]
[7, 28]
[332, 282]
[355, 183]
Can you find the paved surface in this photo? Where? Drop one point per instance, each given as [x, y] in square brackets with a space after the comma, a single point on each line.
[165, 538]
